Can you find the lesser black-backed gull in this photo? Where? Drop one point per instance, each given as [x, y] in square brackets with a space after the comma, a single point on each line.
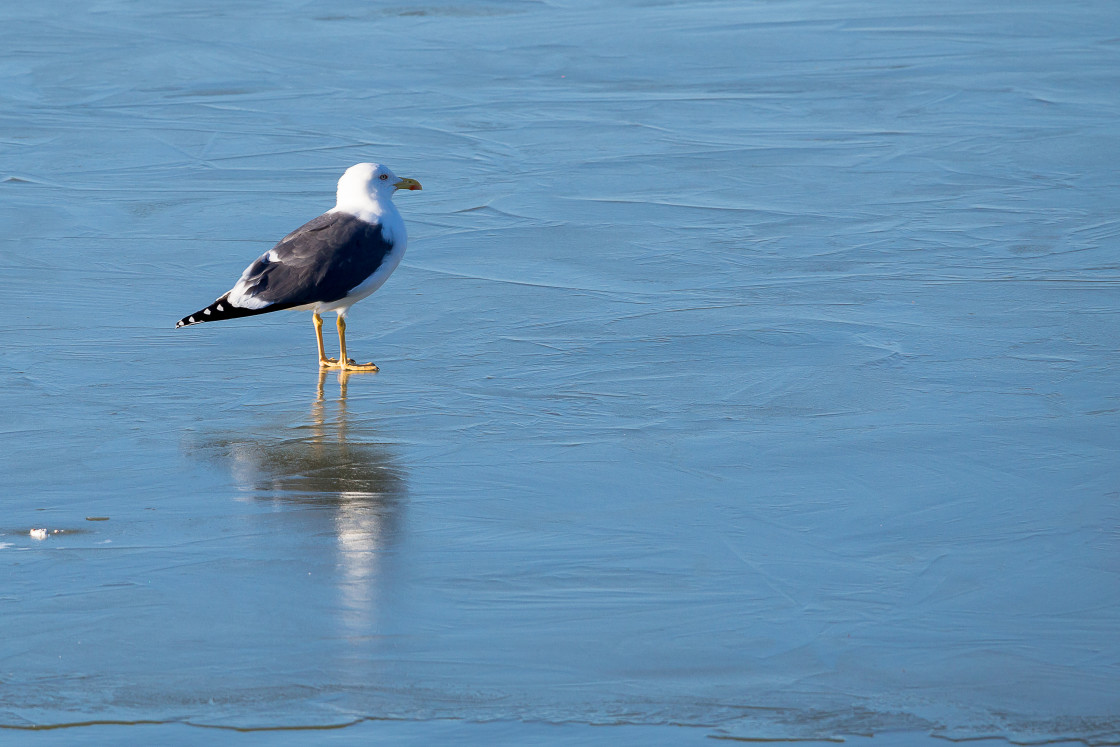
[328, 264]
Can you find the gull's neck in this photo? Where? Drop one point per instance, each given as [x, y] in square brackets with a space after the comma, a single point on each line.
[359, 202]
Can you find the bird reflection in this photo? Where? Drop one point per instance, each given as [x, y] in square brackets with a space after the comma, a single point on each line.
[323, 466]
[353, 482]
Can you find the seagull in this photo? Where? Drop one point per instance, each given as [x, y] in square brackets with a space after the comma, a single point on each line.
[328, 264]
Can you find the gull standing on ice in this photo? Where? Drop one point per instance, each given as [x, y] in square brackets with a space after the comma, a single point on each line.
[328, 264]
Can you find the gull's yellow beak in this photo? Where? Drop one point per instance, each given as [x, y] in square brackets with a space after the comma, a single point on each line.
[408, 184]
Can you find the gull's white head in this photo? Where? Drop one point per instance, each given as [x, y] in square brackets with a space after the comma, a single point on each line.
[370, 182]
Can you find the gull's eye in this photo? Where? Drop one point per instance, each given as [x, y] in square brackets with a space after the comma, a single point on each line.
[384, 177]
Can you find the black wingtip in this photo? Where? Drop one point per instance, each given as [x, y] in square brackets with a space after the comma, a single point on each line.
[202, 315]
[222, 309]
[189, 320]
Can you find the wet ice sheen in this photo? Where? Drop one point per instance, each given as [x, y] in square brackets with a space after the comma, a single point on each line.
[751, 373]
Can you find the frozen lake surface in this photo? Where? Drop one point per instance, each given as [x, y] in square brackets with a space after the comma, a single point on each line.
[752, 374]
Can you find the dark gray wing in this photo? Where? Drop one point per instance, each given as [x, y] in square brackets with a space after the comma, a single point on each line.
[321, 261]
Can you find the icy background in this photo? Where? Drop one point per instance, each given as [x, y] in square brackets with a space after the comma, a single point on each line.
[753, 373]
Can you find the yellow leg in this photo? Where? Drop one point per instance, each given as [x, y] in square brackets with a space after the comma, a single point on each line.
[348, 364]
[323, 359]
